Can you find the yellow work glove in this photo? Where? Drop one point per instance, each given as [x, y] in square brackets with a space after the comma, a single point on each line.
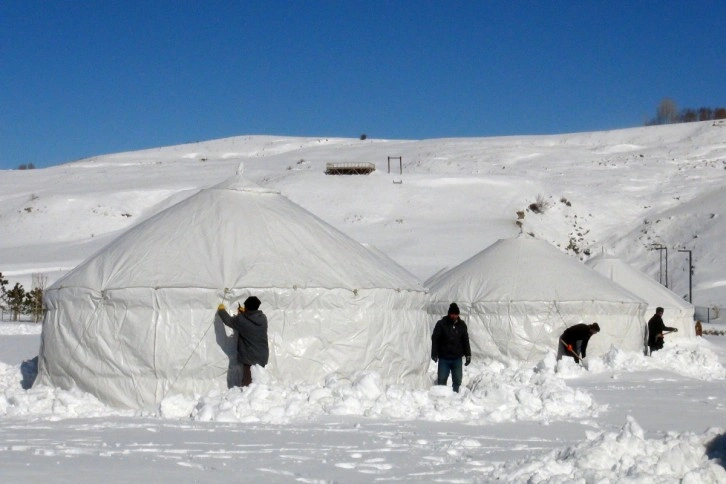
[221, 307]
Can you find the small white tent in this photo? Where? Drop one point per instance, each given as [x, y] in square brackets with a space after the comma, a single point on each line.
[518, 296]
[136, 322]
[677, 312]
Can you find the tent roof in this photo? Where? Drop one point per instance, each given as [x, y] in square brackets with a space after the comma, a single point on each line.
[637, 282]
[525, 269]
[237, 235]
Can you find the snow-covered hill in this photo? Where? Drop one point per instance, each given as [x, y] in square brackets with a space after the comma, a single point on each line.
[621, 191]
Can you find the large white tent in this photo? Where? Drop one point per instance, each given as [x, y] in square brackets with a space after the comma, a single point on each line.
[518, 295]
[677, 312]
[136, 322]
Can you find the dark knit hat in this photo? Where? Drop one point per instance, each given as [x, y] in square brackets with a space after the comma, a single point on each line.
[453, 309]
[658, 310]
[252, 303]
[595, 327]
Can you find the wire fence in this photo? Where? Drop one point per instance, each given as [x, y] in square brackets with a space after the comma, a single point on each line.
[711, 314]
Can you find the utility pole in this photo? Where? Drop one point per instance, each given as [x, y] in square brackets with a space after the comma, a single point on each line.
[661, 248]
[690, 275]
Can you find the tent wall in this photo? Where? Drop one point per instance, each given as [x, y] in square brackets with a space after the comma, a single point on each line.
[526, 331]
[132, 347]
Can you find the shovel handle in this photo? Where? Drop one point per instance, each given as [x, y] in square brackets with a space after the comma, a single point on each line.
[568, 349]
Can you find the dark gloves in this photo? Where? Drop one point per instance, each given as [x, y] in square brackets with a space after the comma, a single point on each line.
[468, 360]
[675, 330]
[435, 358]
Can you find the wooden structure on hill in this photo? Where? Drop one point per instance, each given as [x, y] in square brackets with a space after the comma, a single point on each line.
[349, 168]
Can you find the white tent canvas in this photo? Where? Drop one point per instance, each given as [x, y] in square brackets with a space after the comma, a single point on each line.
[519, 295]
[136, 322]
[677, 312]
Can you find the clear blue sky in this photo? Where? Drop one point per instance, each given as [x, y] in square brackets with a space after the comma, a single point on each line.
[82, 78]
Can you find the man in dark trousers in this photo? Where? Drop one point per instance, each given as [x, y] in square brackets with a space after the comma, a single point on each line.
[656, 327]
[449, 344]
[573, 341]
[251, 326]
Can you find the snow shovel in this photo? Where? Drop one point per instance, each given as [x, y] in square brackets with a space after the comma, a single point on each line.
[579, 358]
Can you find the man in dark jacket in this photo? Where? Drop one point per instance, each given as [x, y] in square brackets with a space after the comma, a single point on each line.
[656, 326]
[251, 326]
[449, 344]
[573, 341]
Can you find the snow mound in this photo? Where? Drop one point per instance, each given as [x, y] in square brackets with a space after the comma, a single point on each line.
[493, 392]
[626, 456]
[689, 358]
[18, 400]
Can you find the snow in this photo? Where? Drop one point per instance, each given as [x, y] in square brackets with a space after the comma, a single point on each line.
[552, 422]
[620, 417]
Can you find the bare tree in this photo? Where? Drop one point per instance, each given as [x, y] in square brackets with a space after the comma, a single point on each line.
[667, 112]
[35, 296]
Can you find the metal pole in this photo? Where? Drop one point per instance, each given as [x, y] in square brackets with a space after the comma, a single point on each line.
[690, 275]
[660, 248]
[666, 259]
[690, 278]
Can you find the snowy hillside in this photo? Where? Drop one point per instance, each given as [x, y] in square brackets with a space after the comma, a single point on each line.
[620, 191]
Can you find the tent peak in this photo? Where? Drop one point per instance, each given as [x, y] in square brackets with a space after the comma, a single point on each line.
[239, 183]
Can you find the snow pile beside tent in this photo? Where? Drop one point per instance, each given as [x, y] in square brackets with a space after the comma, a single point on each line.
[48, 402]
[495, 393]
[626, 456]
[693, 359]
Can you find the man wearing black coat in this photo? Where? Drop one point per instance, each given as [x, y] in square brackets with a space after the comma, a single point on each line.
[449, 344]
[573, 341]
[251, 326]
[656, 326]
